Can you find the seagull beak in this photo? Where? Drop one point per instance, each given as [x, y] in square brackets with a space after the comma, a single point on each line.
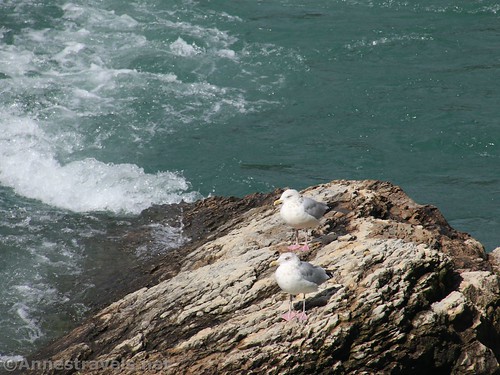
[276, 202]
[274, 263]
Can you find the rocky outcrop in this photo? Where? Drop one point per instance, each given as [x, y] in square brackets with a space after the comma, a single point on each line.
[410, 295]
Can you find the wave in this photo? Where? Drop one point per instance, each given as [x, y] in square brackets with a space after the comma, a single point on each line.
[29, 166]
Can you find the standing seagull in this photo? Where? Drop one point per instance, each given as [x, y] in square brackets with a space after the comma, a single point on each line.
[294, 277]
[300, 213]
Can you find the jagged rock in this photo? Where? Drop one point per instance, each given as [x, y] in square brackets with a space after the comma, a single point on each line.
[410, 295]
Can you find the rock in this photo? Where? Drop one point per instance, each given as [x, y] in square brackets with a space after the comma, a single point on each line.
[409, 295]
[494, 258]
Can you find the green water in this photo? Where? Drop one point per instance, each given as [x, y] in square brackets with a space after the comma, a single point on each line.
[111, 106]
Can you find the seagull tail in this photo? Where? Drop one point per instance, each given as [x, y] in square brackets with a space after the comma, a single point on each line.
[329, 273]
[333, 207]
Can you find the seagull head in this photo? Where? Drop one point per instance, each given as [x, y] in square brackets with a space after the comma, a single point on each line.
[286, 258]
[288, 195]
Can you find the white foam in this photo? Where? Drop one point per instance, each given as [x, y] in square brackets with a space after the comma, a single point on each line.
[392, 39]
[72, 48]
[181, 48]
[15, 61]
[167, 78]
[79, 74]
[94, 16]
[164, 238]
[29, 166]
[30, 330]
[226, 53]
[215, 37]
[3, 31]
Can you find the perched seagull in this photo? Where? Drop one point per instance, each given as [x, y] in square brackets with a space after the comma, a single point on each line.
[300, 213]
[294, 277]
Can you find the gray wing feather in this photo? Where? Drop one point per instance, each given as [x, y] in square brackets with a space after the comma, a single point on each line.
[312, 273]
[313, 208]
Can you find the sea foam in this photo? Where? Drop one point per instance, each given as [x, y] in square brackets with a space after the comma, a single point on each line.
[181, 48]
[28, 165]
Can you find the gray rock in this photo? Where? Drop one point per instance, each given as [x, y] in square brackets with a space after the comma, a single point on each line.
[410, 295]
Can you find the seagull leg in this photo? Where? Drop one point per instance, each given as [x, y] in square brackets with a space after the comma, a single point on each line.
[302, 317]
[290, 314]
[305, 247]
[295, 246]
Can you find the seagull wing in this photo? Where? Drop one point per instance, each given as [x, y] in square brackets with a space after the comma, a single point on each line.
[313, 208]
[314, 274]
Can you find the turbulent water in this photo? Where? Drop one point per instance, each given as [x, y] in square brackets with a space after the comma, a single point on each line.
[108, 107]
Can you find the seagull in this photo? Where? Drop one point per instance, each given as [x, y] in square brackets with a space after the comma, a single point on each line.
[294, 277]
[300, 213]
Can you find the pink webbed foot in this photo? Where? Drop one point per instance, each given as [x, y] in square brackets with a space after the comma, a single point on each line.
[294, 247]
[304, 247]
[289, 316]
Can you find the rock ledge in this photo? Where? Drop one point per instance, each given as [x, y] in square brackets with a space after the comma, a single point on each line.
[410, 295]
